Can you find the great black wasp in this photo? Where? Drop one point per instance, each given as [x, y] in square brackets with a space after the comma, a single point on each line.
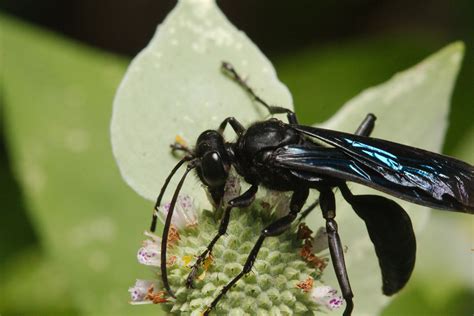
[291, 157]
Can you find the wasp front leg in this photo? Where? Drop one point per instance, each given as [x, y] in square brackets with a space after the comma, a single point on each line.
[276, 228]
[241, 201]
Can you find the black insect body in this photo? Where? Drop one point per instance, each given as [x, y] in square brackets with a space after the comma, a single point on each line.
[291, 157]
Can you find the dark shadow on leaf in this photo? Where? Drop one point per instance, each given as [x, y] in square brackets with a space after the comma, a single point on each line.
[17, 232]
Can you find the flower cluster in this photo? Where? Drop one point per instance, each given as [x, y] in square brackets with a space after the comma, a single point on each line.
[286, 277]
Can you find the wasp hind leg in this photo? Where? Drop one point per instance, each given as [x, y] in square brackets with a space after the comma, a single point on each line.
[241, 201]
[365, 129]
[328, 207]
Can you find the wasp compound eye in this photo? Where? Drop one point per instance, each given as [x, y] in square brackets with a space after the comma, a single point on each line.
[213, 170]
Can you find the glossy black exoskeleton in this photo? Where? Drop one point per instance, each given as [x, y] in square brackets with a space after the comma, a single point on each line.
[292, 157]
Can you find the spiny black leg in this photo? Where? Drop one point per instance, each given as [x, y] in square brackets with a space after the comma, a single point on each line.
[229, 69]
[292, 118]
[274, 229]
[243, 200]
[367, 125]
[235, 75]
[328, 206]
[236, 126]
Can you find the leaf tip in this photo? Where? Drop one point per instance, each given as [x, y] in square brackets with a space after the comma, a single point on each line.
[456, 50]
[453, 52]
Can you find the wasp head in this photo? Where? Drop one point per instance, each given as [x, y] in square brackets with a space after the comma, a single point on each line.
[214, 163]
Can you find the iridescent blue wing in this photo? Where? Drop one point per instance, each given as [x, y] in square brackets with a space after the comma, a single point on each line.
[314, 163]
[406, 172]
[388, 225]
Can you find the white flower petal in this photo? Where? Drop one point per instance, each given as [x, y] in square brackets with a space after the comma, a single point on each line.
[149, 254]
[327, 296]
[139, 291]
[185, 213]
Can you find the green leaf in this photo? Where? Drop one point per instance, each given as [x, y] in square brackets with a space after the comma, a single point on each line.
[411, 108]
[175, 87]
[57, 98]
[40, 282]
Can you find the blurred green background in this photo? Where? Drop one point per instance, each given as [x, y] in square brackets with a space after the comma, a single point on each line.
[69, 226]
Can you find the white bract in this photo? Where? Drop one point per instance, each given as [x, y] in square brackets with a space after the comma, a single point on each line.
[175, 87]
[411, 108]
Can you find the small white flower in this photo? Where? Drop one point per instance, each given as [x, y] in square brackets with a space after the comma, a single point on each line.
[327, 296]
[185, 213]
[150, 253]
[320, 240]
[139, 291]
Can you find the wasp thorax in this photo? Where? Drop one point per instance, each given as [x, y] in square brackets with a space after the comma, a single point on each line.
[214, 165]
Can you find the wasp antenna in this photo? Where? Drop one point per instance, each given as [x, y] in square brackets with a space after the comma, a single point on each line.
[164, 240]
[162, 192]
